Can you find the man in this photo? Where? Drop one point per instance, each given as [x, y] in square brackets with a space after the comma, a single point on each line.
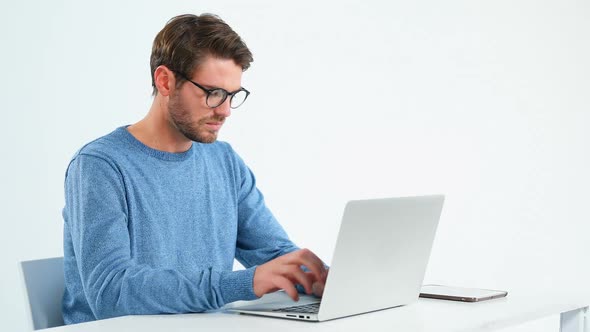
[157, 211]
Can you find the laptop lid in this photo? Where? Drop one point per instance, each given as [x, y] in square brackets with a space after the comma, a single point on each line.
[381, 254]
[379, 261]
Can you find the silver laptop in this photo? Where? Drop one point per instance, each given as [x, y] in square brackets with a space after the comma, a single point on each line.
[379, 261]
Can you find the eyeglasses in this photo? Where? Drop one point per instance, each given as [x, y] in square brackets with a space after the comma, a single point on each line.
[217, 96]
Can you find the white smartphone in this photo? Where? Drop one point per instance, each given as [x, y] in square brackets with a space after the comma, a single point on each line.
[460, 293]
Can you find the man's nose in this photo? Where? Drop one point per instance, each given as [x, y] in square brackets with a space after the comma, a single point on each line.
[224, 109]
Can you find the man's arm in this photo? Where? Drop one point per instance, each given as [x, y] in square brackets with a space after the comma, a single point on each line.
[114, 283]
[262, 241]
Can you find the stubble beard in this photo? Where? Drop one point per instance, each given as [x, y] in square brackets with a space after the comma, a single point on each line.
[181, 119]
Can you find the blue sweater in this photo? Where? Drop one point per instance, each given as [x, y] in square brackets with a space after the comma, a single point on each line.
[149, 232]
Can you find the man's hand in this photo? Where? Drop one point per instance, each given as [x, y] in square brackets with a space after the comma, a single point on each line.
[285, 272]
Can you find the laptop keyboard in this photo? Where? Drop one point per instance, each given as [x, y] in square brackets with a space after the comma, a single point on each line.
[312, 308]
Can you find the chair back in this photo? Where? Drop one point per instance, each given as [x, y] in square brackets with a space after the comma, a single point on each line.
[44, 285]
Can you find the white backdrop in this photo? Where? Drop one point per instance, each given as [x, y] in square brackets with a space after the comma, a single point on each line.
[484, 101]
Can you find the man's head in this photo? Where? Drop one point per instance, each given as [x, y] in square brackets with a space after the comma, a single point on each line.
[187, 40]
[206, 51]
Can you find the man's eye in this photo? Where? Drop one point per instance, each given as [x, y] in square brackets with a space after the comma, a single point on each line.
[218, 93]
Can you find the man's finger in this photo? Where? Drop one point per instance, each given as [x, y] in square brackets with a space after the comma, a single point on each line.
[296, 275]
[318, 289]
[286, 285]
[308, 259]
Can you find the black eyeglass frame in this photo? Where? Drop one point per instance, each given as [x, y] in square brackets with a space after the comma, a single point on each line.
[210, 91]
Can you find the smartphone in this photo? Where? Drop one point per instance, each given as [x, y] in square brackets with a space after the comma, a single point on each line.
[460, 293]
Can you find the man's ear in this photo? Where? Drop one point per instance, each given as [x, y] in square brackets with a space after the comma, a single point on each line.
[165, 80]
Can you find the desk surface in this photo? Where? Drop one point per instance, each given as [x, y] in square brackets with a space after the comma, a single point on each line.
[421, 316]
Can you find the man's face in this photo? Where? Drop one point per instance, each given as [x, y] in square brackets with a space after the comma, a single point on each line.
[187, 106]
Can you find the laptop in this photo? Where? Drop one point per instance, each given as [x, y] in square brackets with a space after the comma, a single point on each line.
[379, 262]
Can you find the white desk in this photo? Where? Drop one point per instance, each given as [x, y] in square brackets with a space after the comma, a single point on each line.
[425, 315]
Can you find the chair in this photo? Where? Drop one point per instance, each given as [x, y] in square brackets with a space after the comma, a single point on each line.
[44, 284]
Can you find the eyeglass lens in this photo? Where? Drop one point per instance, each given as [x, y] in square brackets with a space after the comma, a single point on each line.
[218, 96]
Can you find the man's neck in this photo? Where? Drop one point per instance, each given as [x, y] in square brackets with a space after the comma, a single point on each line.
[157, 132]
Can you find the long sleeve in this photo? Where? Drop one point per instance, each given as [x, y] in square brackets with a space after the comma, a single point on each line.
[260, 237]
[114, 283]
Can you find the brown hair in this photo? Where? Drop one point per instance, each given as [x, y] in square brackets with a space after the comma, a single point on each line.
[186, 41]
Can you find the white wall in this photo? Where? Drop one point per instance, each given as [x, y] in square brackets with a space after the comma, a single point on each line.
[484, 101]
